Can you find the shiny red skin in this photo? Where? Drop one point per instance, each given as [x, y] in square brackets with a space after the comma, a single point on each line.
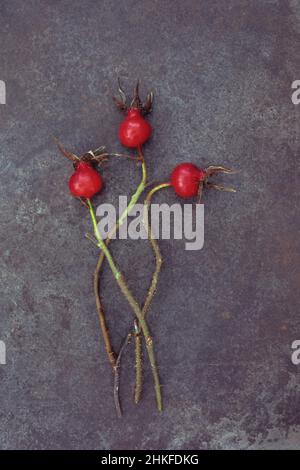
[85, 181]
[134, 131]
[186, 178]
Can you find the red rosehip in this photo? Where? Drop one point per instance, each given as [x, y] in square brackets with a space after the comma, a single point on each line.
[85, 181]
[186, 178]
[134, 130]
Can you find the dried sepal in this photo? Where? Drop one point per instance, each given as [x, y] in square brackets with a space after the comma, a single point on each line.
[98, 151]
[147, 107]
[220, 187]
[122, 101]
[215, 169]
[69, 155]
[136, 101]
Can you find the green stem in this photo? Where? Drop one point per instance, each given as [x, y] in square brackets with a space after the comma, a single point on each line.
[100, 310]
[113, 358]
[133, 200]
[133, 303]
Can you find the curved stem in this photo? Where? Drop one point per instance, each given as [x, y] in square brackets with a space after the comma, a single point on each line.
[154, 245]
[150, 293]
[133, 303]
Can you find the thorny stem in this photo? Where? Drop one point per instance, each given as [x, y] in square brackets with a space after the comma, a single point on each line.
[151, 291]
[101, 315]
[117, 376]
[138, 363]
[132, 302]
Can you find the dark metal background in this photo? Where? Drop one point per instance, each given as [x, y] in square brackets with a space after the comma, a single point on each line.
[224, 317]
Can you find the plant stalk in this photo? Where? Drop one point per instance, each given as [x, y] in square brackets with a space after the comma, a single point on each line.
[112, 357]
[138, 363]
[117, 376]
[133, 303]
[151, 290]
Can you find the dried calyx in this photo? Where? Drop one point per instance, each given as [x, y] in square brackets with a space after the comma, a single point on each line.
[93, 157]
[136, 103]
[97, 156]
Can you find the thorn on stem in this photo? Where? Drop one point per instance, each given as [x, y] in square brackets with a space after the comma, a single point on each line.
[137, 329]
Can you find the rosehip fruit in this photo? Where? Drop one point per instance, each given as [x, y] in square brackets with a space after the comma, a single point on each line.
[85, 181]
[134, 131]
[186, 178]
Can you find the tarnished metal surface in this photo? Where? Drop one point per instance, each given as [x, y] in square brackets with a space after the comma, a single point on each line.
[223, 318]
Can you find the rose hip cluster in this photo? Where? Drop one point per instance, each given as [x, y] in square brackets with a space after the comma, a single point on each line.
[186, 179]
